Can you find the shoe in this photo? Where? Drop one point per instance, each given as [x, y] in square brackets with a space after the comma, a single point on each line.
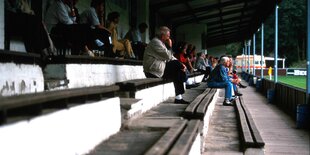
[242, 86]
[192, 86]
[90, 53]
[180, 101]
[238, 94]
[234, 98]
[227, 102]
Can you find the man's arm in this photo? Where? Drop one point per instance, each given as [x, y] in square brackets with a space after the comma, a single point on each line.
[162, 52]
[63, 14]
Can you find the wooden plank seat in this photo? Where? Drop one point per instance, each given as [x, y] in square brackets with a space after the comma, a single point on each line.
[197, 108]
[35, 101]
[178, 139]
[250, 136]
[137, 84]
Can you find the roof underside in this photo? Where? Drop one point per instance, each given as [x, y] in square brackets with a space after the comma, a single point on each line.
[227, 21]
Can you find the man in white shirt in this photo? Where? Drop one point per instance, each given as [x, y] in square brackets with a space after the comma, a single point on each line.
[60, 20]
[93, 16]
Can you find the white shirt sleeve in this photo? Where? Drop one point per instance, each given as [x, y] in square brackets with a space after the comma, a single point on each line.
[63, 14]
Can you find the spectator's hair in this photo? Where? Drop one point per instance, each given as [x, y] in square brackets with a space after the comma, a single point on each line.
[95, 3]
[181, 45]
[143, 25]
[199, 54]
[163, 30]
[194, 48]
[113, 15]
[234, 72]
[224, 59]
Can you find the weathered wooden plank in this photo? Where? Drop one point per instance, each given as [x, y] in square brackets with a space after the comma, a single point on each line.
[203, 106]
[190, 109]
[163, 145]
[183, 144]
[36, 98]
[246, 138]
[259, 142]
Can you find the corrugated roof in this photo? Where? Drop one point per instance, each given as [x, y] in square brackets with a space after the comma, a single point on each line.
[226, 20]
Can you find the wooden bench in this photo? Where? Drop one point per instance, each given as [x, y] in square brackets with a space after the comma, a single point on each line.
[178, 140]
[197, 108]
[137, 84]
[34, 103]
[250, 136]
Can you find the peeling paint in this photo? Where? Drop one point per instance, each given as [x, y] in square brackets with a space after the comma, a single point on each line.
[12, 87]
[22, 87]
[5, 87]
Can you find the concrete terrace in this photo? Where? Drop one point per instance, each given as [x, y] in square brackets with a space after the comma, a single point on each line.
[277, 129]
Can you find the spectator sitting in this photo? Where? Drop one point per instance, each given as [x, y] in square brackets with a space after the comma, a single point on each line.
[60, 19]
[192, 56]
[235, 81]
[118, 45]
[135, 36]
[92, 17]
[203, 66]
[219, 79]
[235, 76]
[182, 57]
[22, 21]
[158, 61]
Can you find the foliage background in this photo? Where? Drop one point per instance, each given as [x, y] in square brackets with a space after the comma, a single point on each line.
[292, 34]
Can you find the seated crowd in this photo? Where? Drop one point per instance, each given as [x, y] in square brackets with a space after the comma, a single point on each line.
[64, 27]
[86, 32]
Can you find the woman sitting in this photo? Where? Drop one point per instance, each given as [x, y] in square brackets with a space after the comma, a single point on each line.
[123, 45]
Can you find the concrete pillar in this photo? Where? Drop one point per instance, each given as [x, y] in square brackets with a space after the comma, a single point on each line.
[143, 16]
[2, 24]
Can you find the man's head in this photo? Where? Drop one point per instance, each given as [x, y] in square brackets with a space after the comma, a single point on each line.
[142, 27]
[225, 61]
[113, 17]
[163, 33]
[98, 5]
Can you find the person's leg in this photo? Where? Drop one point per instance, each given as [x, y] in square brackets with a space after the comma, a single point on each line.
[149, 75]
[128, 48]
[80, 36]
[228, 90]
[173, 72]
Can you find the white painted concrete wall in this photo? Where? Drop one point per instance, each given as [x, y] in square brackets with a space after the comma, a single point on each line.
[20, 79]
[191, 33]
[91, 75]
[1, 24]
[151, 99]
[85, 75]
[73, 131]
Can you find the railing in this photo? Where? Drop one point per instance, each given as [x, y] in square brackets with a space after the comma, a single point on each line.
[286, 97]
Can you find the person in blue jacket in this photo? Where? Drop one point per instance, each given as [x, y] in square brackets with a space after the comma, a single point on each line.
[220, 79]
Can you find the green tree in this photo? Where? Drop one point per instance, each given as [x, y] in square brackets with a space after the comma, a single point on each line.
[292, 31]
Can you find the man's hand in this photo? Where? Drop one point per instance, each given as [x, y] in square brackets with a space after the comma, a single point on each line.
[169, 42]
[184, 68]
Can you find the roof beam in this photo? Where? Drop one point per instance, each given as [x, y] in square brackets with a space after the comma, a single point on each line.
[168, 3]
[212, 23]
[225, 30]
[223, 13]
[227, 25]
[192, 12]
[204, 8]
